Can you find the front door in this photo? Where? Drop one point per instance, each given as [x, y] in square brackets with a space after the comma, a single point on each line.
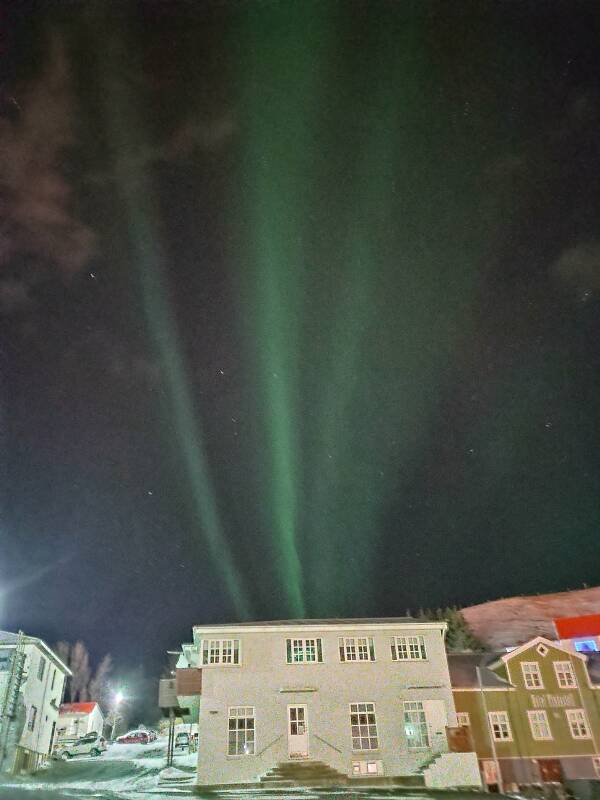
[297, 732]
[550, 770]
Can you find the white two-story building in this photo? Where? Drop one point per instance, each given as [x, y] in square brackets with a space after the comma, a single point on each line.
[32, 680]
[343, 700]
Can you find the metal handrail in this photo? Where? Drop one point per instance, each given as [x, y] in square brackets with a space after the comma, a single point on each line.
[264, 750]
[333, 747]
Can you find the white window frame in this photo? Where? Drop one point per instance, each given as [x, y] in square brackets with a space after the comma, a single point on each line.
[565, 668]
[236, 713]
[355, 649]
[313, 646]
[463, 720]
[535, 674]
[408, 648]
[220, 652]
[577, 718]
[499, 719]
[410, 707]
[363, 732]
[538, 718]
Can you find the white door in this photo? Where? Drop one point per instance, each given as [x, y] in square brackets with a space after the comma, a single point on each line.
[298, 731]
[437, 719]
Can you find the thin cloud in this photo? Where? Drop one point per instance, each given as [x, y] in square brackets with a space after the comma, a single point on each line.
[36, 220]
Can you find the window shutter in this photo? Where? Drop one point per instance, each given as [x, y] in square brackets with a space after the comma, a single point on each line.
[394, 653]
[342, 649]
[371, 649]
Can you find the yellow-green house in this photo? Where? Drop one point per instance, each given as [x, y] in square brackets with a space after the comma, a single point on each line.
[533, 713]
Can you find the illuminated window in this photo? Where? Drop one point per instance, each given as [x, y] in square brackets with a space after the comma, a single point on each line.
[500, 726]
[241, 731]
[360, 649]
[366, 767]
[532, 675]
[578, 723]
[304, 651]
[415, 725]
[220, 651]
[408, 648]
[586, 646]
[462, 719]
[363, 726]
[565, 674]
[540, 728]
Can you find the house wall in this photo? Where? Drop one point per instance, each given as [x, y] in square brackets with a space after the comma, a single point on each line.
[42, 694]
[80, 724]
[267, 682]
[516, 702]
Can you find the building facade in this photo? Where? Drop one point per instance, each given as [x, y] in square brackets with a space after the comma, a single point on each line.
[77, 719]
[532, 713]
[364, 698]
[32, 681]
[580, 634]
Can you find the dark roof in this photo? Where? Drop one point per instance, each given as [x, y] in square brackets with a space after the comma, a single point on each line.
[593, 667]
[463, 671]
[341, 621]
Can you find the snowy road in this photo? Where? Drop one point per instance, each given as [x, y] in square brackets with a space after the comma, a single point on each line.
[124, 772]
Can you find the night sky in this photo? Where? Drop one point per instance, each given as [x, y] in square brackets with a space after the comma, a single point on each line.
[299, 311]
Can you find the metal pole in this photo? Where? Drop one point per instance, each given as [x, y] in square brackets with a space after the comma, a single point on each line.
[486, 723]
[171, 738]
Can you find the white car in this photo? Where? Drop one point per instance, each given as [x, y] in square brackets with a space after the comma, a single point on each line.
[90, 745]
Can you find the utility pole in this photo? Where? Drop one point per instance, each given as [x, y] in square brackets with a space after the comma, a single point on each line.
[486, 724]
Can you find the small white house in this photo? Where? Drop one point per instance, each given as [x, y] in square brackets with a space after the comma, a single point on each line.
[32, 680]
[77, 719]
[337, 701]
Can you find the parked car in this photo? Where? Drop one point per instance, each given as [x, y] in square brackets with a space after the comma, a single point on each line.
[92, 744]
[134, 737]
[182, 740]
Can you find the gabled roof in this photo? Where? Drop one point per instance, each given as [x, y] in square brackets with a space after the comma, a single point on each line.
[77, 708]
[463, 671]
[9, 639]
[505, 657]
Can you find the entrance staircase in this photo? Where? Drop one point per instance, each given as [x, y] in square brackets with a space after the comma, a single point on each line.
[303, 773]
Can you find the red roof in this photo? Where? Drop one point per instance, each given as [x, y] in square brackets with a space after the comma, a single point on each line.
[77, 708]
[574, 627]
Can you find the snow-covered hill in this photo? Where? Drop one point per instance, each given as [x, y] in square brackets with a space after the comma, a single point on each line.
[513, 620]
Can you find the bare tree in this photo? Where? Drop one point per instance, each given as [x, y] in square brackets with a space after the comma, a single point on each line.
[82, 673]
[99, 686]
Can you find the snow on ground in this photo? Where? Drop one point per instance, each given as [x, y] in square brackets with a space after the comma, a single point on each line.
[131, 772]
[124, 772]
